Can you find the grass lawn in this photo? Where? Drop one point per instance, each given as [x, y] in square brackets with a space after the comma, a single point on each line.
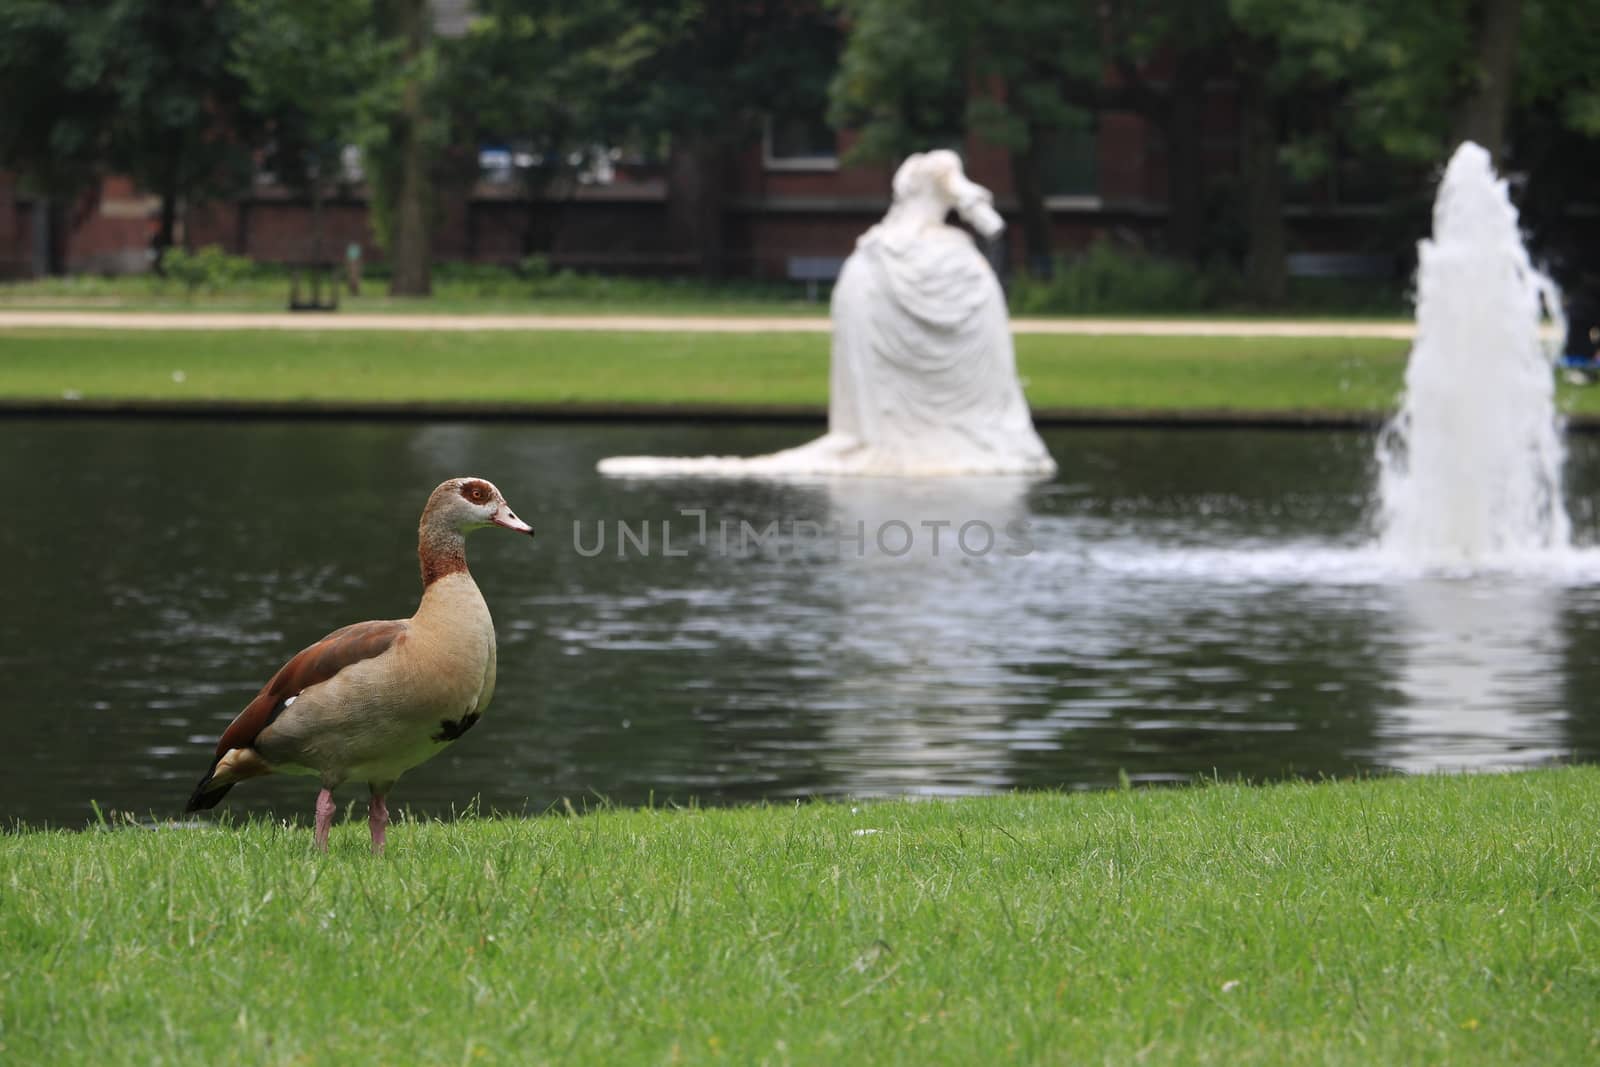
[1141, 373]
[498, 293]
[1425, 920]
[480, 289]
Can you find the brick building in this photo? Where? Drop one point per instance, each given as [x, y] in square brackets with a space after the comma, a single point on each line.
[786, 195]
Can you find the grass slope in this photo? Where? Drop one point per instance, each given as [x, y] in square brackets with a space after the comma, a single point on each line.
[480, 291]
[1103, 284]
[1397, 921]
[1143, 373]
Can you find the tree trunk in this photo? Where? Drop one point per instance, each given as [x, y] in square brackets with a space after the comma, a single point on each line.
[411, 244]
[1265, 270]
[1482, 117]
[545, 204]
[696, 181]
[165, 229]
[8, 215]
[44, 238]
[1025, 180]
[412, 253]
[316, 219]
[1185, 119]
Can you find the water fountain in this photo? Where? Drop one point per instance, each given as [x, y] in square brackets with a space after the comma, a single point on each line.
[923, 379]
[1193, 601]
[1471, 466]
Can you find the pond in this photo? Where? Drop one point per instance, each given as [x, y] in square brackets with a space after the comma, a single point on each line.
[1175, 604]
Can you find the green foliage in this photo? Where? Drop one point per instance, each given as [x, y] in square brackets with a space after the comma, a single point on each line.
[535, 283]
[713, 69]
[331, 73]
[209, 267]
[907, 76]
[628, 73]
[52, 126]
[1104, 281]
[1423, 920]
[580, 105]
[139, 87]
[320, 73]
[901, 83]
[1559, 67]
[179, 128]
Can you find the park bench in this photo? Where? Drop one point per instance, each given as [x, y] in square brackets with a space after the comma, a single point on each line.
[1340, 265]
[813, 270]
[318, 277]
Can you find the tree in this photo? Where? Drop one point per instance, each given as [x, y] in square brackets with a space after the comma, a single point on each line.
[331, 73]
[177, 128]
[1025, 72]
[1401, 81]
[902, 78]
[51, 129]
[1486, 105]
[919, 73]
[1371, 74]
[138, 87]
[1162, 53]
[1555, 137]
[709, 73]
[1560, 73]
[317, 75]
[577, 105]
[404, 157]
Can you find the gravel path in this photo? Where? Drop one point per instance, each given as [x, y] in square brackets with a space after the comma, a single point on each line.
[204, 320]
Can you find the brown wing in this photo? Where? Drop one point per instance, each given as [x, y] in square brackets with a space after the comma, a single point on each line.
[318, 663]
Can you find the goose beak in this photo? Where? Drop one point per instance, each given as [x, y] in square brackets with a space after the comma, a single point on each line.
[508, 519]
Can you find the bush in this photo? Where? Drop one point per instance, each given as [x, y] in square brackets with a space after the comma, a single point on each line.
[209, 266]
[536, 279]
[1105, 280]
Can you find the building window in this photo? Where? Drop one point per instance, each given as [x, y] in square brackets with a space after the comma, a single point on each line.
[1069, 164]
[799, 142]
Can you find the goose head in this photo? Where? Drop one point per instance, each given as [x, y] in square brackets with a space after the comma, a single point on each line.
[465, 504]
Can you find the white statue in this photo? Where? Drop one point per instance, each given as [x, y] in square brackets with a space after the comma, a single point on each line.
[924, 378]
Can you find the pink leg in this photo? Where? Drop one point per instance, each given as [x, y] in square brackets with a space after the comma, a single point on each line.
[377, 821]
[324, 818]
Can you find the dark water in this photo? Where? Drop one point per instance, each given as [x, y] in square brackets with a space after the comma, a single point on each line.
[1177, 603]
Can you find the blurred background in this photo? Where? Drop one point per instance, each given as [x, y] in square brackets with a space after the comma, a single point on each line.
[1166, 155]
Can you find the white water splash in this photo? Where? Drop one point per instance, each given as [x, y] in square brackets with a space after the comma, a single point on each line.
[1471, 465]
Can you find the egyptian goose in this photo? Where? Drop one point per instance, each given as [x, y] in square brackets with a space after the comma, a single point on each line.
[373, 700]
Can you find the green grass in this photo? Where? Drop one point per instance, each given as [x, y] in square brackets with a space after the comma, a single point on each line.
[1428, 920]
[478, 289]
[484, 291]
[1120, 373]
[1144, 373]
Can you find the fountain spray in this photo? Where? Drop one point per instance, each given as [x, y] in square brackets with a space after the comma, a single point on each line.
[1470, 467]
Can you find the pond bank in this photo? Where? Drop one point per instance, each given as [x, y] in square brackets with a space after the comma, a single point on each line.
[702, 413]
[1071, 379]
[667, 323]
[1433, 919]
[635, 373]
[695, 413]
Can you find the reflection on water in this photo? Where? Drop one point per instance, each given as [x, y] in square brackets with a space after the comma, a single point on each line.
[1178, 603]
[1482, 682]
[927, 635]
